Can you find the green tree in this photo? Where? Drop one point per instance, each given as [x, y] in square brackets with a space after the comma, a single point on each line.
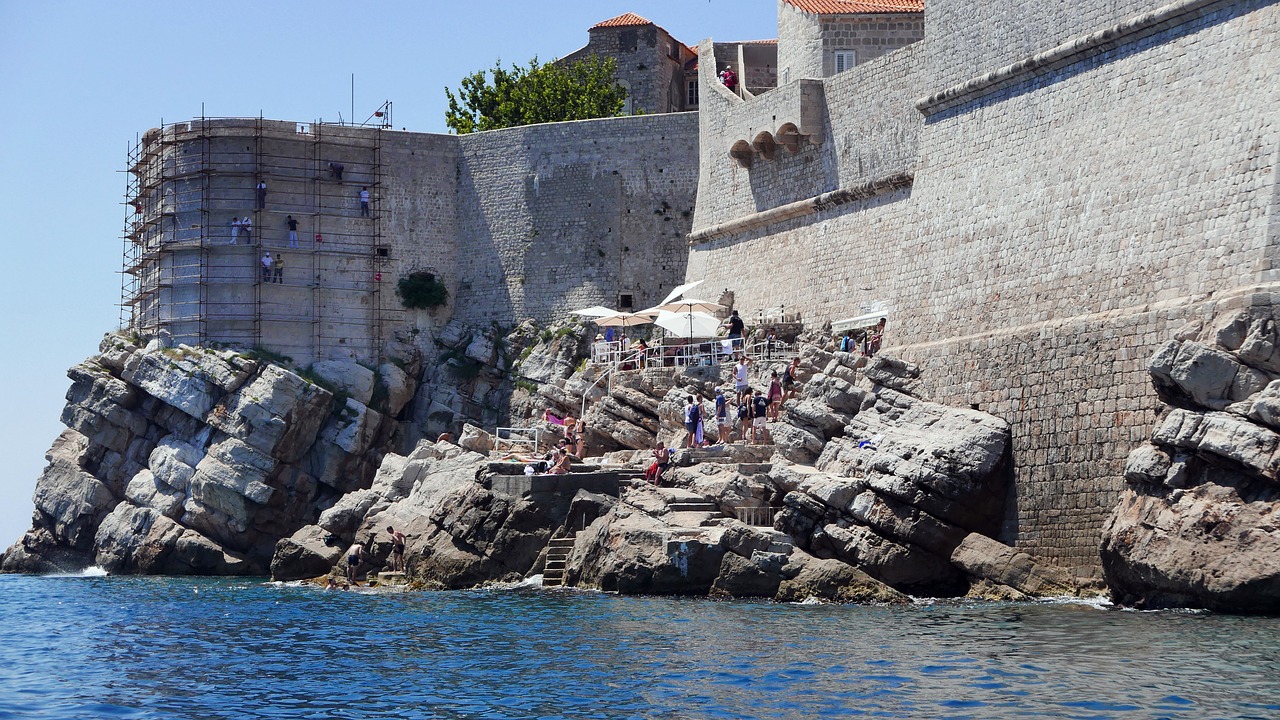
[498, 98]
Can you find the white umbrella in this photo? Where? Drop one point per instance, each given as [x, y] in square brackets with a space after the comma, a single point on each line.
[680, 290]
[688, 305]
[623, 320]
[688, 324]
[595, 311]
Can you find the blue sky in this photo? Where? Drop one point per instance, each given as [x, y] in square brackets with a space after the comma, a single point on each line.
[82, 79]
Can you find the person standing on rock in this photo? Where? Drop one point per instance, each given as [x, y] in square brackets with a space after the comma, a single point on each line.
[759, 419]
[744, 415]
[691, 422]
[789, 379]
[397, 549]
[722, 417]
[775, 395]
[740, 372]
[355, 556]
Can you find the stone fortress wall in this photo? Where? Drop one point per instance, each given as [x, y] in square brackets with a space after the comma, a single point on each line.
[1036, 233]
[1040, 209]
[526, 222]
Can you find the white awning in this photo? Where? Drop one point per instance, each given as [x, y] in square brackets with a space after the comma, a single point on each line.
[859, 322]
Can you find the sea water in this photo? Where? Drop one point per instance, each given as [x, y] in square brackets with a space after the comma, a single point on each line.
[127, 647]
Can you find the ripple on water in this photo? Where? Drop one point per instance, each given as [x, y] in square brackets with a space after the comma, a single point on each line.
[77, 647]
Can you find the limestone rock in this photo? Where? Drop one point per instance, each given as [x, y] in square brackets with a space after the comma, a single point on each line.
[794, 443]
[475, 439]
[1262, 407]
[829, 579]
[740, 577]
[1147, 463]
[906, 568]
[277, 412]
[1189, 372]
[1222, 436]
[893, 373]
[1213, 545]
[629, 551]
[346, 376]
[305, 554]
[991, 560]
[399, 387]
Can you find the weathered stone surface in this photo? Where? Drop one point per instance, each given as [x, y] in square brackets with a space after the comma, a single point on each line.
[1203, 376]
[191, 380]
[1213, 545]
[989, 559]
[1222, 436]
[740, 577]
[893, 373]
[829, 579]
[836, 393]
[399, 387]
[906, 568]
[352, 378]
[1262, 407]
[277, 412]
[304, 555]
[346, 515]
[629, 551]
[475, 439]
[70, 501]
[145, 490]
[794, 443]
[1147, 463]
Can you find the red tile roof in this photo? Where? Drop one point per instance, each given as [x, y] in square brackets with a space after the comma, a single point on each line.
[856, 7]
[623, 20]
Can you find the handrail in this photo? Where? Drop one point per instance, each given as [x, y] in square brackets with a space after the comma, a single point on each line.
[537, 437]
[757, 516]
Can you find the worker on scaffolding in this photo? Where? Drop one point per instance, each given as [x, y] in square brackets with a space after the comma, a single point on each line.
[246, 226]
[277, 268]
[262, 194]
[335, 171]
[364, 202]
[235, 230]
[293, 230]
[266, 267]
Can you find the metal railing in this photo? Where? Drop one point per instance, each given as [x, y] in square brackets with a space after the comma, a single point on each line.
[517, 436]
[757, 516]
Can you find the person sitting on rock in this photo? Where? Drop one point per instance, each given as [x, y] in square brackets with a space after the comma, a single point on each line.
[561, 466]
[661, 461]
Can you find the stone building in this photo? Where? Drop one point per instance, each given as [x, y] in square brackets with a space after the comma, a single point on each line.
[819, 38]
[658, 71]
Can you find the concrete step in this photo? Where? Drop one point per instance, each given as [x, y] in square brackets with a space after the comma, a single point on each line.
[561, 542]
[392, 578]
[555, 565]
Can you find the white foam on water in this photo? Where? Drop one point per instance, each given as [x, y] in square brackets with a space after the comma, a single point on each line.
[92, 571]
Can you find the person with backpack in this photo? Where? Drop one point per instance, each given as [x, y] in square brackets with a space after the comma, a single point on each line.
[692, 417]
[759, 418]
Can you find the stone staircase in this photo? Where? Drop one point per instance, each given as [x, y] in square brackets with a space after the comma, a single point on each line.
[558, 551]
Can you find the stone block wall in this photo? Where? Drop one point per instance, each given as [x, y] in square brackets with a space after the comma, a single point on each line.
[567, 215]
[859, 125]
[807, 43]
[1057, 231]
[650, 64]
[975, 37]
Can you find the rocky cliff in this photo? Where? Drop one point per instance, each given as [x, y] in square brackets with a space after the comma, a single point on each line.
[197, 461]
[1199, 523]
[870, 493]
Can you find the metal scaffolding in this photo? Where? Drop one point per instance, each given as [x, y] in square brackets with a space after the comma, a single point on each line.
[192, 274]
